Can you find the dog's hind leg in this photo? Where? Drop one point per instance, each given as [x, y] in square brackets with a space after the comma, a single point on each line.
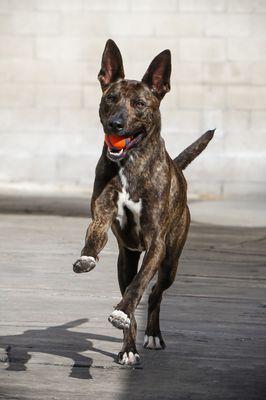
[153, 339]
[127, 266]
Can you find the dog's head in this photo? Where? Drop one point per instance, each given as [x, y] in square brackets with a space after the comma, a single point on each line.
[130, 108]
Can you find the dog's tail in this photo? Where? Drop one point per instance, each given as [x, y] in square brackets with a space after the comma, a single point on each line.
[192, 151]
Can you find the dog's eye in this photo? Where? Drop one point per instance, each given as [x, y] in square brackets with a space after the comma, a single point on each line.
[140, 104]
[111, 98]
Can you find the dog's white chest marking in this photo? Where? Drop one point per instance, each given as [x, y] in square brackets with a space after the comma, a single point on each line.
[124, 201]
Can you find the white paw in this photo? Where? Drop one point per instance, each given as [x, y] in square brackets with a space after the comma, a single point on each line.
[153, 343]
[119, 319]
[84, 264]
[128, 358]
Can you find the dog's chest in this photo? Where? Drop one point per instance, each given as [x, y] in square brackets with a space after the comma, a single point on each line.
[124, 203]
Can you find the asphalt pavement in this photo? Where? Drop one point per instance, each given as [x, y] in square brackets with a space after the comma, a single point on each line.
[56, 341]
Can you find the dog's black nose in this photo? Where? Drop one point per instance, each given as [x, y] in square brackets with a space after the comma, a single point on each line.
[116, 124]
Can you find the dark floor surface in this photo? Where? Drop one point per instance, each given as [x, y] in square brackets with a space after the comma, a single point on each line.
[57, 343]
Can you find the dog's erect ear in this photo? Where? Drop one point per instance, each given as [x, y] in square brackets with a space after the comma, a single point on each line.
[112, 65]
[157, 76]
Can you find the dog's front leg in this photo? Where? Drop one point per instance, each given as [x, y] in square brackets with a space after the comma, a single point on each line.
[96, 238]
[121, 316]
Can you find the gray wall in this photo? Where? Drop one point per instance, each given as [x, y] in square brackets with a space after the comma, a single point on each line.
[50, 54]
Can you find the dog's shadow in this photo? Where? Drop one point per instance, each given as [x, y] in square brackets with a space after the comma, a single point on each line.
[55, 340]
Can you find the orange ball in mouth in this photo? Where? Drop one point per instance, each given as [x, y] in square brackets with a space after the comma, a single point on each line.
[117, 142]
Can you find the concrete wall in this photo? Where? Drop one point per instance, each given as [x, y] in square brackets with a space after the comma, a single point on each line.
[50, 53]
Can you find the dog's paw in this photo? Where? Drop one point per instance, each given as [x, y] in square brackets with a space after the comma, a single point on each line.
[153, 343]
[84, 264]
[119, 319]
[128, 358]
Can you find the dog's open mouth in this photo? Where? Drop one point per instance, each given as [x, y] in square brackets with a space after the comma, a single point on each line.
[117, 153]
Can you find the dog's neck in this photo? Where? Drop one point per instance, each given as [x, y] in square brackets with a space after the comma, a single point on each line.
[147, 153]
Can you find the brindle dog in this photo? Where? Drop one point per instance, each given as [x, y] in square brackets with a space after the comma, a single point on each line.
[140, 192]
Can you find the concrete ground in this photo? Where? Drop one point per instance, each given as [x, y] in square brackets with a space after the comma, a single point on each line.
[56, 342]
[250, 212]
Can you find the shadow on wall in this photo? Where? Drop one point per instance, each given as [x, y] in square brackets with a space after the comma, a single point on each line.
[18, 347]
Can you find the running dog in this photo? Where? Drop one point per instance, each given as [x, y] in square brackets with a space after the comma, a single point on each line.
[140, 192]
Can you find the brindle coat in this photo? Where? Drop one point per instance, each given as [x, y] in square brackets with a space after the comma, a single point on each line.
[141, 196]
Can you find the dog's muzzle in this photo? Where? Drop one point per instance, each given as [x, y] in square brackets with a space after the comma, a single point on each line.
[116, 153]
